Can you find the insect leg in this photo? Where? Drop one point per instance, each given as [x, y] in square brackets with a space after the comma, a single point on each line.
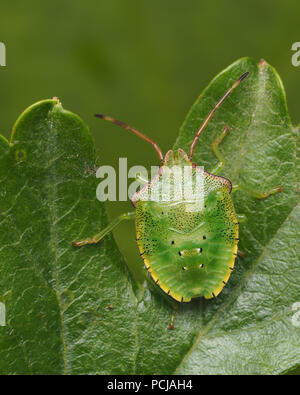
[172, 319]
[215, 147]
[99, 236]
[258, 195]
[264, 195]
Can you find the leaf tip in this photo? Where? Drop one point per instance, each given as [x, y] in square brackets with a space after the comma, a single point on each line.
[262, 63]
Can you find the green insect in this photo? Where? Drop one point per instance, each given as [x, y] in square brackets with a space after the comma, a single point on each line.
[188, 242]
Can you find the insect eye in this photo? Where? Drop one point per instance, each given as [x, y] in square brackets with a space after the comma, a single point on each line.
[204, 237]
[172, 242]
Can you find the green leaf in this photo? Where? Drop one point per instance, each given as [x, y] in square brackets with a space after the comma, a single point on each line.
[57, 297]
[249, 328]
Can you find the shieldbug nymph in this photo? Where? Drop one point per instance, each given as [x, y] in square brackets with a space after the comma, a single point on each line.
[188, 244]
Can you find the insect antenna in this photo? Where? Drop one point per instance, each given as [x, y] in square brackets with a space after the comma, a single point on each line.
[134, 131]
[210, 115]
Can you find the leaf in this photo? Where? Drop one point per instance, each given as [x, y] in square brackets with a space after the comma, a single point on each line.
[249, 329]
[57, 297]
[252, 326]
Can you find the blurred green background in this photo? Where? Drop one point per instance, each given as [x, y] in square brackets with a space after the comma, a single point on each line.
[142, 61]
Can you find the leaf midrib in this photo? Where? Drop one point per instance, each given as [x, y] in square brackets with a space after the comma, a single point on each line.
[53, 238]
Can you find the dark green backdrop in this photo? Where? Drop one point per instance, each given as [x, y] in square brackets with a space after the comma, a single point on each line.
[142, 61]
